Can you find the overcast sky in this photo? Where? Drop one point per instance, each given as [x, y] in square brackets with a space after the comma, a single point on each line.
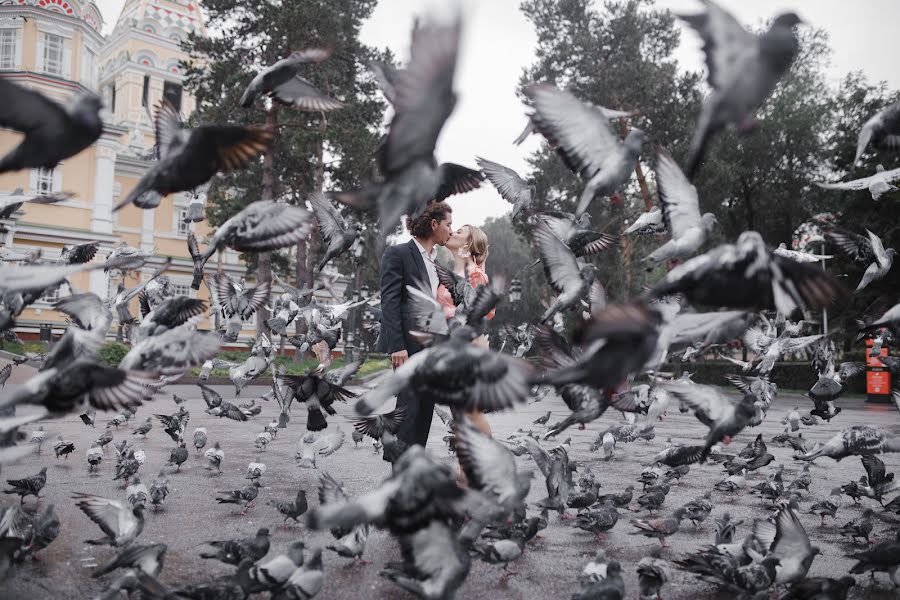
[498, 43]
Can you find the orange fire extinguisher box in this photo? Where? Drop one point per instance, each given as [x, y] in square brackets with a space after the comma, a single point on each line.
[878, 378]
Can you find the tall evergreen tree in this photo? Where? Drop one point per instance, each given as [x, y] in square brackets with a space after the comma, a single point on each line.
[312, 151]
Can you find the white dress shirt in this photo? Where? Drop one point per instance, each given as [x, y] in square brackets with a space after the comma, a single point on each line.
[428, 259]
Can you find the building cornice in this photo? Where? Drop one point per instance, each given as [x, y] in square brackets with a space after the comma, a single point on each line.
[40, 14]
[45, 79]
[53, 234]
[131, 166]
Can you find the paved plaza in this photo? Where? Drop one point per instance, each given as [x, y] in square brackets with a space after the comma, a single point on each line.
[548, 569]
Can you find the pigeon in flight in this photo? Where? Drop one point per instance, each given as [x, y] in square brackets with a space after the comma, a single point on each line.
[858, 439]
[883, 129]
[424, 99]
[337, 235]
[260, 226]
[804, 257]
[120, 522]
[743, 70]
[510, 184]
[648, 223]
[583, 137]
[878, 184]
[53, 132]
[10, 203]
[747, 275]
[681, 213]
[282, 82]
[190, 157]
[579, 237]
[569, 280]
[867, 251]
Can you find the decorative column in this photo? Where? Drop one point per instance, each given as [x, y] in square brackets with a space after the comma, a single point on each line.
[104, 188]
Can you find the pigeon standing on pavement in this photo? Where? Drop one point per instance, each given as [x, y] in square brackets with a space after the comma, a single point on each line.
[28, 486]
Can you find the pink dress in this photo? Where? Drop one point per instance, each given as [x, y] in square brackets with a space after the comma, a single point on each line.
[477, 277]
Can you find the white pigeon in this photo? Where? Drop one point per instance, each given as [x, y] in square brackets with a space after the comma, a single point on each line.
[214, 456]
[314, 445]
[878, 184]
[804, 257]
[263, 439]
[868, 251]
[255, 470]
[647, 223]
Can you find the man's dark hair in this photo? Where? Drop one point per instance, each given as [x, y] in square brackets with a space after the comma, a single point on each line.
[421, 225]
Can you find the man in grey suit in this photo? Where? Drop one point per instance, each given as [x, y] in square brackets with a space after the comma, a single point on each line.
[411, 264]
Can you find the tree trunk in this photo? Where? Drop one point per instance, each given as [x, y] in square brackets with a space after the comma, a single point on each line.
[264, 266]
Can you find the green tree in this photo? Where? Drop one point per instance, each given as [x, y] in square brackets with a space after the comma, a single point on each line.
[312, 151]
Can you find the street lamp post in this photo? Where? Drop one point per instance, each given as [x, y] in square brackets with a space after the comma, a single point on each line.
[515, 291]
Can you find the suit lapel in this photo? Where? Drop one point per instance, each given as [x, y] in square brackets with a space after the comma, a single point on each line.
[420, 262]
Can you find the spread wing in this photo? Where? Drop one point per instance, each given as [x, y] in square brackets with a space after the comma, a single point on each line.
[791, 540]
[457, 179]
[113, 517]
[510, 184]
[559, 262]
[427, 314]
[169, 133]
[724, 42]
[25, 110]
[331, 223]
[488, 464]
[540, 456]
[212, 397]
[679, 200]
[858, 248]
[579, 131]
[708, 404]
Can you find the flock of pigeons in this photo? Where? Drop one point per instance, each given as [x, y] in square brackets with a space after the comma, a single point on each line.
[441, 525]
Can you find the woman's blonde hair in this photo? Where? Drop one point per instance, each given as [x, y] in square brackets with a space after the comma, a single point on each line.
[477, 243]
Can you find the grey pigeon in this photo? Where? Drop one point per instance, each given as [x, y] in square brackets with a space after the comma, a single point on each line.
[509, 184]
[178, 456]
[260, 226]
[424, 100]
[566, 277]
[146, 558]
[282, 82]
[883, 129]
[653, 573]
[859, 528]
[244, 496]
[820, 588]
[188, 158]
[882, 557]
[743, 70]
[53, 133]
[232, 552]
[721, 277]
[337, 235]
[291, 509]
[724, 417]
[437, 565]
[580, 238]
[348, 542]
[867, 251]
[10, 203]
[787, 541]
[120, 522]
[681, 213]
[601, 580]
[28, 486]
[159, 490]
[582, 135]
[858, 439]
[878, 184]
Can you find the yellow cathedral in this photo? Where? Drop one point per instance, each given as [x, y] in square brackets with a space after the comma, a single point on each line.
[56, 47]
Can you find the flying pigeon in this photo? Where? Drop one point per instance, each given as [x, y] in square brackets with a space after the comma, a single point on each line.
[120, 523]
[867, 251]
[648, 223]
[582, 135]
[191, 157]
[878, 184]
[349, 542]
[681, 213]
[337, 235]
[53, 132]
[883, 129]
[509, 184]
[567, 278]
[743, 70]
[424, 100]
[260, 226]
[723, 277]
[282, 82]
[804, 257]
[858, 439]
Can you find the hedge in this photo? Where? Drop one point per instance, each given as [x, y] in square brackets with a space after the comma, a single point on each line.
[112, 353]
[788, 375]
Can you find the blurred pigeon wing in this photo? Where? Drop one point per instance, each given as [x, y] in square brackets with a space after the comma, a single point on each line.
[511, 186]
[560, 265]
[725, 41]
[680, 203]
[578, 130]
